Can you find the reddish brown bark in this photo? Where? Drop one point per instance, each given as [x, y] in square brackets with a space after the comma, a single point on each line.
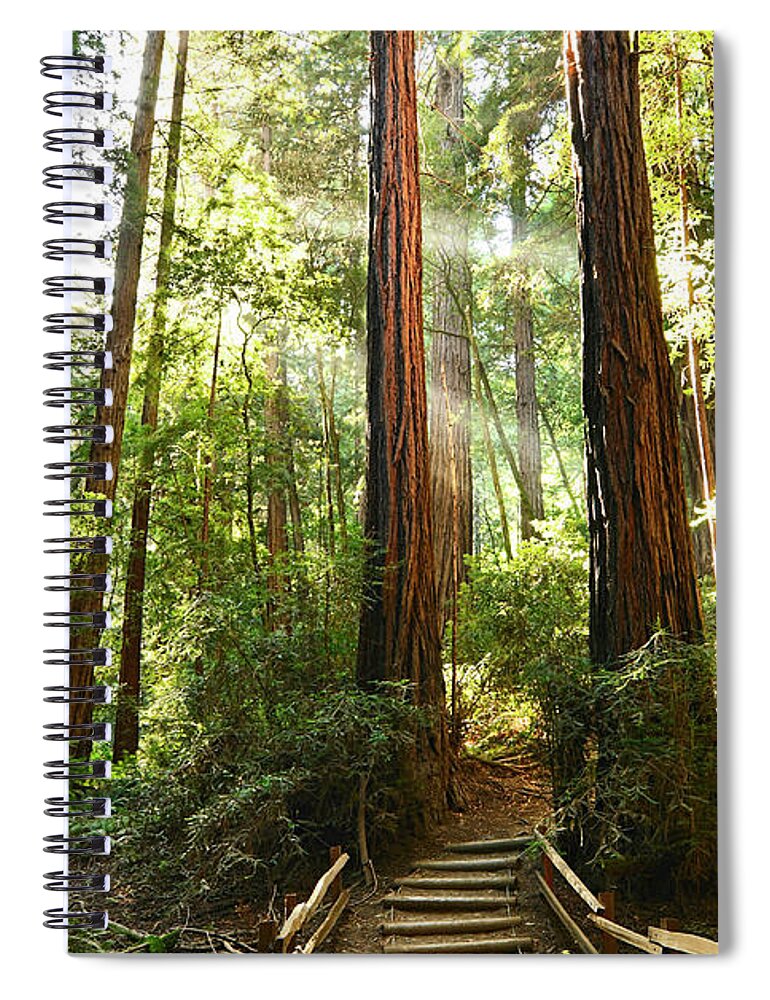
[642, 571]
[399, 630]
[127, 718]
[128, 259]
[120, 342]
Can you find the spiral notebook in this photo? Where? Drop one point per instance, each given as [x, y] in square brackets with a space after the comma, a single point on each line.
[383, 550]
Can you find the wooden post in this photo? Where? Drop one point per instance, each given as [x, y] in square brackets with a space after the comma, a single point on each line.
[335, 889]
[266, 933]
[609, 943]
[669, 924]
[548, 871]
[363, 847]
[289, 902]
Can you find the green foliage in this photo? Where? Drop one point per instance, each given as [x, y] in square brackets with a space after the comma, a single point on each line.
[529, 610]
[631, 751]
[652, 787]
[249, 804]
[523, 630]
[254, 736]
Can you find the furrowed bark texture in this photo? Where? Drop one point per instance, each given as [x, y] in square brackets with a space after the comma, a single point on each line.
[450, 411]
[399, 628]
[642, 568]
[127, 716]
[120, 343]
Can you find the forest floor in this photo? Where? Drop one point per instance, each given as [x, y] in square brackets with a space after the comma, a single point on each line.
[502, 800]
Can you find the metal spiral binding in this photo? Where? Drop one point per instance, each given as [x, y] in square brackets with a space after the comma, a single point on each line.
[83, 352]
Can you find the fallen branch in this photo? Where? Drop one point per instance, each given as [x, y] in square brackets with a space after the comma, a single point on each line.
[224, 938]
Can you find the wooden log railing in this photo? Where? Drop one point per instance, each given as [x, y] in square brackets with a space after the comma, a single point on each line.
[298, 914]
[656, 942]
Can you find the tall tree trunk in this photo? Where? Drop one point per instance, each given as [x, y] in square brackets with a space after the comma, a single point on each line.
[295, 507]
[703, 436]
[127, 719]
[120, 343]
[528, 428]
[642, 571]
[334, 442]
[120, 340]
[277, 533]
[513, 465]
[209, 462]
[492, 461]
[450, 411]
[335, 494]
[399, 636]
[326, 421]
[691, 465]
[559, 460]
[275, 456]
[251, 520]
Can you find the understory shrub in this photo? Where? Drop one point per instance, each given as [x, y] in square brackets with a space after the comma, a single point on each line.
[242, 811]
[650, 792]
[631, 751]
[523, 634]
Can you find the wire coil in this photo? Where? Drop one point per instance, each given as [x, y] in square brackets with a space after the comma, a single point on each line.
[79, 557]
[87, 173]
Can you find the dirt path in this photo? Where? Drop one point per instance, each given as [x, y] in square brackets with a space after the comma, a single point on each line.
[502, 800]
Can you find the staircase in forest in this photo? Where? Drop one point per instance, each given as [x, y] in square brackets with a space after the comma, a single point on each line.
[464, 901]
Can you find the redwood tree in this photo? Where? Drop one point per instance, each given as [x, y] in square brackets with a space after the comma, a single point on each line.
[120, 339]
[399, 628]
[127, 719]
[642, 571]
[450, 416]
[128, 258]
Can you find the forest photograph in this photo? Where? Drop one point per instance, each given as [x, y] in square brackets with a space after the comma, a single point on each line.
[410, 394]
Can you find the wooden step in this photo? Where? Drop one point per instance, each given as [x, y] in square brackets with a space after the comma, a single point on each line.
[470, 864]
[479, 946]
[461, 901]
[462, 925]
[458, 882]
[487, 846]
